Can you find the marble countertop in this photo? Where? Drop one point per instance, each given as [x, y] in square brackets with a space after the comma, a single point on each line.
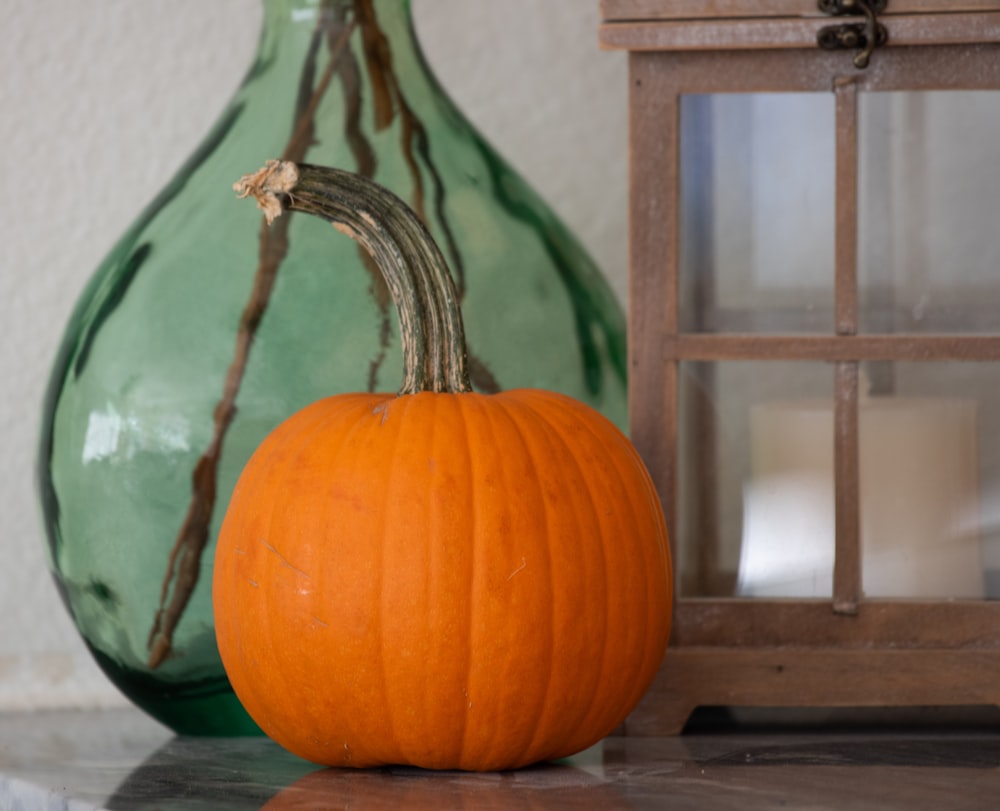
[119, 759]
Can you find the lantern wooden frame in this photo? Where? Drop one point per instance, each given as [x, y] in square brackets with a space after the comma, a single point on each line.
[848, 652]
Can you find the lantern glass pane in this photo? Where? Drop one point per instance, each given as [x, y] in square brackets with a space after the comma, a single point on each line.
[756, 246]
[755, 486]
[930, 481]
[929, 193]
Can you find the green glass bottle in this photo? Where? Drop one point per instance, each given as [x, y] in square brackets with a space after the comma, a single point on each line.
[203, 329]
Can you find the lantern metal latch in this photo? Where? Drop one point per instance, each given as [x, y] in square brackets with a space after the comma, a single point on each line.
[866, 36]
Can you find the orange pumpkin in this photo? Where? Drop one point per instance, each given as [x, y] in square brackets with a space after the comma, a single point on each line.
[437, 578]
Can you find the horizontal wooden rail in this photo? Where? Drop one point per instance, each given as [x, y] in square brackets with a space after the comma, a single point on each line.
[700, 9]
[811, 623]
[894, 347]
[791, 32]
[791, 677]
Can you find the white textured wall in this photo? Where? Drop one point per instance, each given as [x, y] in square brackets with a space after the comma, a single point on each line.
[124, 89]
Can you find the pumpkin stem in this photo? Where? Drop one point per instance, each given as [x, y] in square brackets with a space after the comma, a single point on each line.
[430, 320]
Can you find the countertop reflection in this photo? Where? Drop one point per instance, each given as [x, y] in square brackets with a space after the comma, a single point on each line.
[119, 759]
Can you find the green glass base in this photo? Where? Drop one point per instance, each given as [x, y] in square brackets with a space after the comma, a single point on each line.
[207, 708]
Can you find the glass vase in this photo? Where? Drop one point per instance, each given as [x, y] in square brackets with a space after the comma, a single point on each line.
[203, 329]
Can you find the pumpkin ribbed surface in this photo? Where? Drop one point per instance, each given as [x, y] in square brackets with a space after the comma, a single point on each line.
[468, 581]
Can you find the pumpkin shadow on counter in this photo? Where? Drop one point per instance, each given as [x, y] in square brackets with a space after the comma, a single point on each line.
[233, 774]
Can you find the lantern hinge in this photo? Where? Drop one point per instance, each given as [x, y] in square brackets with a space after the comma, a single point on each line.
[866, 36]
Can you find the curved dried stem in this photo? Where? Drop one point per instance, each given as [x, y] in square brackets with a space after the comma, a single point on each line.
[430, 319]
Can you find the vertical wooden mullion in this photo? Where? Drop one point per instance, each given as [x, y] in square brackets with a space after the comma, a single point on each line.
[847, 478]
[847, 504]
[699, 462]
[653, 286]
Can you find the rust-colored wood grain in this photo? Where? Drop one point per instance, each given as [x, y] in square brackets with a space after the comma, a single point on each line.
[846, 465]
[793, 32]
[653, 233]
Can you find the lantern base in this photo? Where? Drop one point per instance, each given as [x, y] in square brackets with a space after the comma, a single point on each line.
[749, 653]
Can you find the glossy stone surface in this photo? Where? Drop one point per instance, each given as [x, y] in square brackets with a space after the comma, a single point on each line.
[122, 760]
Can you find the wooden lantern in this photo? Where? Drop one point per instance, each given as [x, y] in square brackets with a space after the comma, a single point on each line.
[844, 647]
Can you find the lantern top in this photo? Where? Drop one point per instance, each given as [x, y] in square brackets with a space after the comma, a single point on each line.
[716, 25]
[632, 10]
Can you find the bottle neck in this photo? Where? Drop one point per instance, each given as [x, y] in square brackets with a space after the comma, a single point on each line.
[379, 33]
[293, 22]
[298, 10]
